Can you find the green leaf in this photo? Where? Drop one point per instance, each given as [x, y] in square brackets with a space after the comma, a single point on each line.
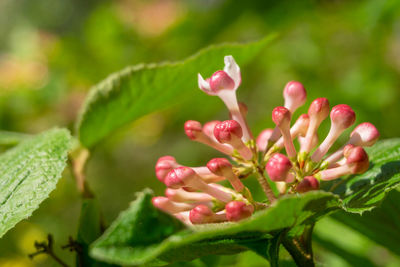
[142, 234]
[12, 138]
[364, 192]
[138, 90]
[28, 173]
[382, 225]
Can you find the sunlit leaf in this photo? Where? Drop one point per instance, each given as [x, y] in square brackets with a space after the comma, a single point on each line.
[28, 173]
[138, 90]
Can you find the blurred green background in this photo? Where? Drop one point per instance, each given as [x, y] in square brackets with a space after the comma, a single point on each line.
[53, 51]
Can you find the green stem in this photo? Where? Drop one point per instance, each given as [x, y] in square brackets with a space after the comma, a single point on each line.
[300, 247]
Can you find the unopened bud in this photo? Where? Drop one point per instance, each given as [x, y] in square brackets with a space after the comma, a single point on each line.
[365, 134]
[202, 214]
[278, 167]
[164, 165]
[238, 210]
[222, 167]
[307, 184]
[294, 95]
[263, 138]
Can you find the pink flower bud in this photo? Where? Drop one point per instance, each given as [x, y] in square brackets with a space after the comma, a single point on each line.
[224, 131]
[294, 95]
[164, 165]
[222, 167]
[202, 214]
[281, 116]
[192, 129]
[181, 176]
[318, 111]
[307, 184]
[263, 138]
[278, 167]
[184, 176]
[319, 108]
[238, 210]
[231, 133]
[358, 158]
[220, 80]
[181, 195]
[365, 134]
[169, 206]
[299, 129]
[342, 116]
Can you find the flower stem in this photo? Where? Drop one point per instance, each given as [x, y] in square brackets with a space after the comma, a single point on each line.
[300, 247]
[265, 186]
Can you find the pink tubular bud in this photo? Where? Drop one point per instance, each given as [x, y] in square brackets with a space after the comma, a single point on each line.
[307, 184]
[220, 80]
[169, 206]
[262, 139]
[357, 162]
[208, 128]
[164, 165]
[342, 117]
[202, 214]
[225, 131]
[281, 117]
[365, 134]
[298, 129]
[318, 111]
[358, 158]
[278, 167]
[231, 133]
[238, 210]
[294, 95]
[185, 176]
[192, 129]
[180, 195]
[222, 167]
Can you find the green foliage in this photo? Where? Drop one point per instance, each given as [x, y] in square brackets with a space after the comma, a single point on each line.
[134, 238]
[138, 90]
[29, 172]
[364, 192]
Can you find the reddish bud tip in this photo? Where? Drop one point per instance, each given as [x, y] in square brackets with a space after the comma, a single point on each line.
[319, 107]
[343, 116]
[307, 184]
[192, 129]
[159, 202]
[278, 167]
[220, 80]
[281, 116]
[201, 214]
[238, 210]
[218, 165]
[365, 134]
[164, 165]
[263, 138]
[179, 177]
[223, 131]
[358, 158]
[294, 95]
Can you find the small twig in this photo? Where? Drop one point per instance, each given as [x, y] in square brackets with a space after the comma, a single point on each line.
[78, 161]
[265, 186]
[47, 248]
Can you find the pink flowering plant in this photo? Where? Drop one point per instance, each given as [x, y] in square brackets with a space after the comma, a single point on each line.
[209, 209]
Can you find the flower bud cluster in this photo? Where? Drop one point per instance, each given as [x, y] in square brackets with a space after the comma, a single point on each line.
[194, 195]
